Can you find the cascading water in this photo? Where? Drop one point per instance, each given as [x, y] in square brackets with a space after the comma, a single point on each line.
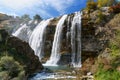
[36, 40]
[23, 32]
[68, 30]
[55, 55]
[76, 40]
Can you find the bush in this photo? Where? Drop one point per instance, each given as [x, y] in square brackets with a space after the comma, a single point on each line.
[115, 45]
[114, 51]
[104, 3]
[107, 75]
[100, 17]
[10, 67]
[4, 75]
[91, 5]
[115, 9]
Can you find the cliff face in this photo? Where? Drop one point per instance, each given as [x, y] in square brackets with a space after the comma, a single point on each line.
[94, 36]
[98, 28]
[100, 39]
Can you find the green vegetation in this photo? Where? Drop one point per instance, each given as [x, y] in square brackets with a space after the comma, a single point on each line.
[111, 72]
[107, 75]
[10, 69]
[105, 3]
[115, 44]
[37, 17]
[25, 18]
[91, 5]
[100, 17]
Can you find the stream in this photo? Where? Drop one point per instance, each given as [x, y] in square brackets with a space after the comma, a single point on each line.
[55, 73]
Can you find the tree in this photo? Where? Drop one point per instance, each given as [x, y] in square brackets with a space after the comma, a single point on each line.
[25, 18]
[37, 17]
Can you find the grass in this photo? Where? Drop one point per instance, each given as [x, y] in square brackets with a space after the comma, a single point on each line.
[115, 45]
[107, 75]
[112, 74]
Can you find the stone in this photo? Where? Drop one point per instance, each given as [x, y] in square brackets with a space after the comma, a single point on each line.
[118, 68]
[32, 62]
[107, 67]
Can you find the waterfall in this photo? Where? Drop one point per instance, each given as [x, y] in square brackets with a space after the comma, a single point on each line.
[23, 32]
[55, 55]
[68, 30]
[76, 40]
[37, 37]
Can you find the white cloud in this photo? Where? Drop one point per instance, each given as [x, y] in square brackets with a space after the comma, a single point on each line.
[59, 5]
[21, 4]
[41, 5]
[18, 4]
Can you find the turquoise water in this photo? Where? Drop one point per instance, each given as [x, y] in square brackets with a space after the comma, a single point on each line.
[57, 68]
[54, 72]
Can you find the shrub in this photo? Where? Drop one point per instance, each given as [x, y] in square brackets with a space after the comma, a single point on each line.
[4, 75]
[11, 67]
[115, 45]
[104, 3]
[113, 73]
[91, 5]
[100, 17]
[115, 9]
[107, 75]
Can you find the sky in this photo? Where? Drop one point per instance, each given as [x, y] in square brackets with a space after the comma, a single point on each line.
[45, 8]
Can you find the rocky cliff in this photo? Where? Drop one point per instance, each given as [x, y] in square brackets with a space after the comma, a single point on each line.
[94, 36]
[98, 28]
[100, 32]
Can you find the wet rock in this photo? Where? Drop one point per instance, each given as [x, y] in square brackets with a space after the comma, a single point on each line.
[65, 59]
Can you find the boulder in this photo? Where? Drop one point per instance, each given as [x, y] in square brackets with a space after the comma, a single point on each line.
[20, 51]
[26, 54]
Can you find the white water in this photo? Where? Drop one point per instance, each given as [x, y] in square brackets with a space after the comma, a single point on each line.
[76, 40]
[37, 37]
[68, 30]
[52, 76]
[55, 55]
[23, 32]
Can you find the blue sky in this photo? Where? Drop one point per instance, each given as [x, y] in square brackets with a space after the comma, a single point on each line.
[45, 8]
